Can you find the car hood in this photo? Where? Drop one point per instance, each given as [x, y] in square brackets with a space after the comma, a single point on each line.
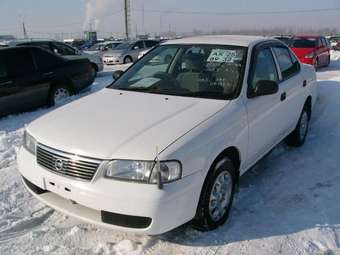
[114, 124]
[95, 58]
[302, 52]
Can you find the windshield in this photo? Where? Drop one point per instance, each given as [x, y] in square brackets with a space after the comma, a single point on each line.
[304, 43]
[205, 71]
[98, 46]
[124, 46]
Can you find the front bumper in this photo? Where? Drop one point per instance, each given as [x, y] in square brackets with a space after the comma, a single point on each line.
[140, 208]
[113, 60]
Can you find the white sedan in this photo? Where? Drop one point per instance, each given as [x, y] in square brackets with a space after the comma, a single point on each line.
[166, 143]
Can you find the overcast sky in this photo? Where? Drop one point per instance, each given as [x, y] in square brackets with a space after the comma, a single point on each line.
[69, 16]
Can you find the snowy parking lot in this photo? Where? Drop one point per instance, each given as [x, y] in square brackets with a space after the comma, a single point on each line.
[287, 204]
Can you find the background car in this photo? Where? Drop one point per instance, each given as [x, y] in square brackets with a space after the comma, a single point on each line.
[31, 77]
[128, 52]
[64, 50]
[313, 50]
[335, 42]
[98, 48]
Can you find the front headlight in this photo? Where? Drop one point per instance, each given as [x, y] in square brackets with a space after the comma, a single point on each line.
[144, 171]
[30, 143]
[310, 55]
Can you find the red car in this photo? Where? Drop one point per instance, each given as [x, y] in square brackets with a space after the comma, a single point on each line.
[313, 50]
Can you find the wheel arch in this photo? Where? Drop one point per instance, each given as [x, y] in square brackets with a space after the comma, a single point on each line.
[308, 105]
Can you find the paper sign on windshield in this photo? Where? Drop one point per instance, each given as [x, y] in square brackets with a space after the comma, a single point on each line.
[222, 56]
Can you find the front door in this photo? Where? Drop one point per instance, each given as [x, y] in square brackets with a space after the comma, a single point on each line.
[264, 118]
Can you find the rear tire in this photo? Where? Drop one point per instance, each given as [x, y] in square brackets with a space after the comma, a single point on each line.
[298, 137]
[58, 94]
[216, 197]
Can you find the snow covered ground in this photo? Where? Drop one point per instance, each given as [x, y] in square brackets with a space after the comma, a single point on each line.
[287, 204]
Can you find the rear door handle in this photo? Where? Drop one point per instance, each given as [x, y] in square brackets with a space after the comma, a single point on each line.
[283, 96]
[48, 74]
[6, 83]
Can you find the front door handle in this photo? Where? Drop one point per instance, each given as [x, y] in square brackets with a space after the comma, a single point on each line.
[6, 83]
[283, 96]
[304, 83]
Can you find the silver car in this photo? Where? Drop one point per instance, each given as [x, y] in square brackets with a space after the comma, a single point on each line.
[127, 52]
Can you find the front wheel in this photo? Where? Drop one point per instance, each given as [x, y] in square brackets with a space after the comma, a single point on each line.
[298, 137]
[216, 197]
[128, 60]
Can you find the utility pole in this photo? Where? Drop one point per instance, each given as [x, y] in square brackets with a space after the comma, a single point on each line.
[127, 13]
[24, 30]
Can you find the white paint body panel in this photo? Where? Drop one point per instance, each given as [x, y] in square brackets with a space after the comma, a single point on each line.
[114, 124]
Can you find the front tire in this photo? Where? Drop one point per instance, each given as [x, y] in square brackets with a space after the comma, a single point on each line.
[128, 60]
[216, 196]
[298, 137]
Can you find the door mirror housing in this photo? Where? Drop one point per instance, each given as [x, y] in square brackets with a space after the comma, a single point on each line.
[265, 87]
[116, 74]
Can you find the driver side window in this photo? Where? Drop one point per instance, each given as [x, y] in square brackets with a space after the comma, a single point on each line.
[138, 45]
[264, 68]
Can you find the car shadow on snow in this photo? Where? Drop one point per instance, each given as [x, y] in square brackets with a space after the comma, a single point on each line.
[288, 191]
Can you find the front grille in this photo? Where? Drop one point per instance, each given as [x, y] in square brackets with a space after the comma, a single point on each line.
[66, 164]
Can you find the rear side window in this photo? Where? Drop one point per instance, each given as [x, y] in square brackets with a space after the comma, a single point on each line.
[264, 68]
[19, 62]
[3, 69]
[289, 66]
[45, 60]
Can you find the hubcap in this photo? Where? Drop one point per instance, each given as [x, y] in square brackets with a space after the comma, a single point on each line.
[128, 61]
[60, 95]
[220, 196]
[303, 125]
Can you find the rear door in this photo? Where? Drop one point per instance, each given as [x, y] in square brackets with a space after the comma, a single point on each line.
[8, 88]
[31, 87]
[292, 86]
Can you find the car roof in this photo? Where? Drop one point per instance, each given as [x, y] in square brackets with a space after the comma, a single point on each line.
[307, 36]
[19, 41]
[234, 40]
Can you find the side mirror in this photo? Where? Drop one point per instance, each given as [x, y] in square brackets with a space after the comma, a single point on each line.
[116, 74]
[265, 87]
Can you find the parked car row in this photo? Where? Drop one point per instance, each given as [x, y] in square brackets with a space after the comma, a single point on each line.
[310, 49]
[128, 51]
[31, 77]
[167, 142]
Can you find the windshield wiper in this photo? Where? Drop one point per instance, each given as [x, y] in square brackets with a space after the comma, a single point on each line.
[209, 94]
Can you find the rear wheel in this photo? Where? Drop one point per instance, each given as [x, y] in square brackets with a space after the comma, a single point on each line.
[59, 94]
[216, 197]
[298, 137]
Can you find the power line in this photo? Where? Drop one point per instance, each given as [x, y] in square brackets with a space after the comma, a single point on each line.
[241, 13]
